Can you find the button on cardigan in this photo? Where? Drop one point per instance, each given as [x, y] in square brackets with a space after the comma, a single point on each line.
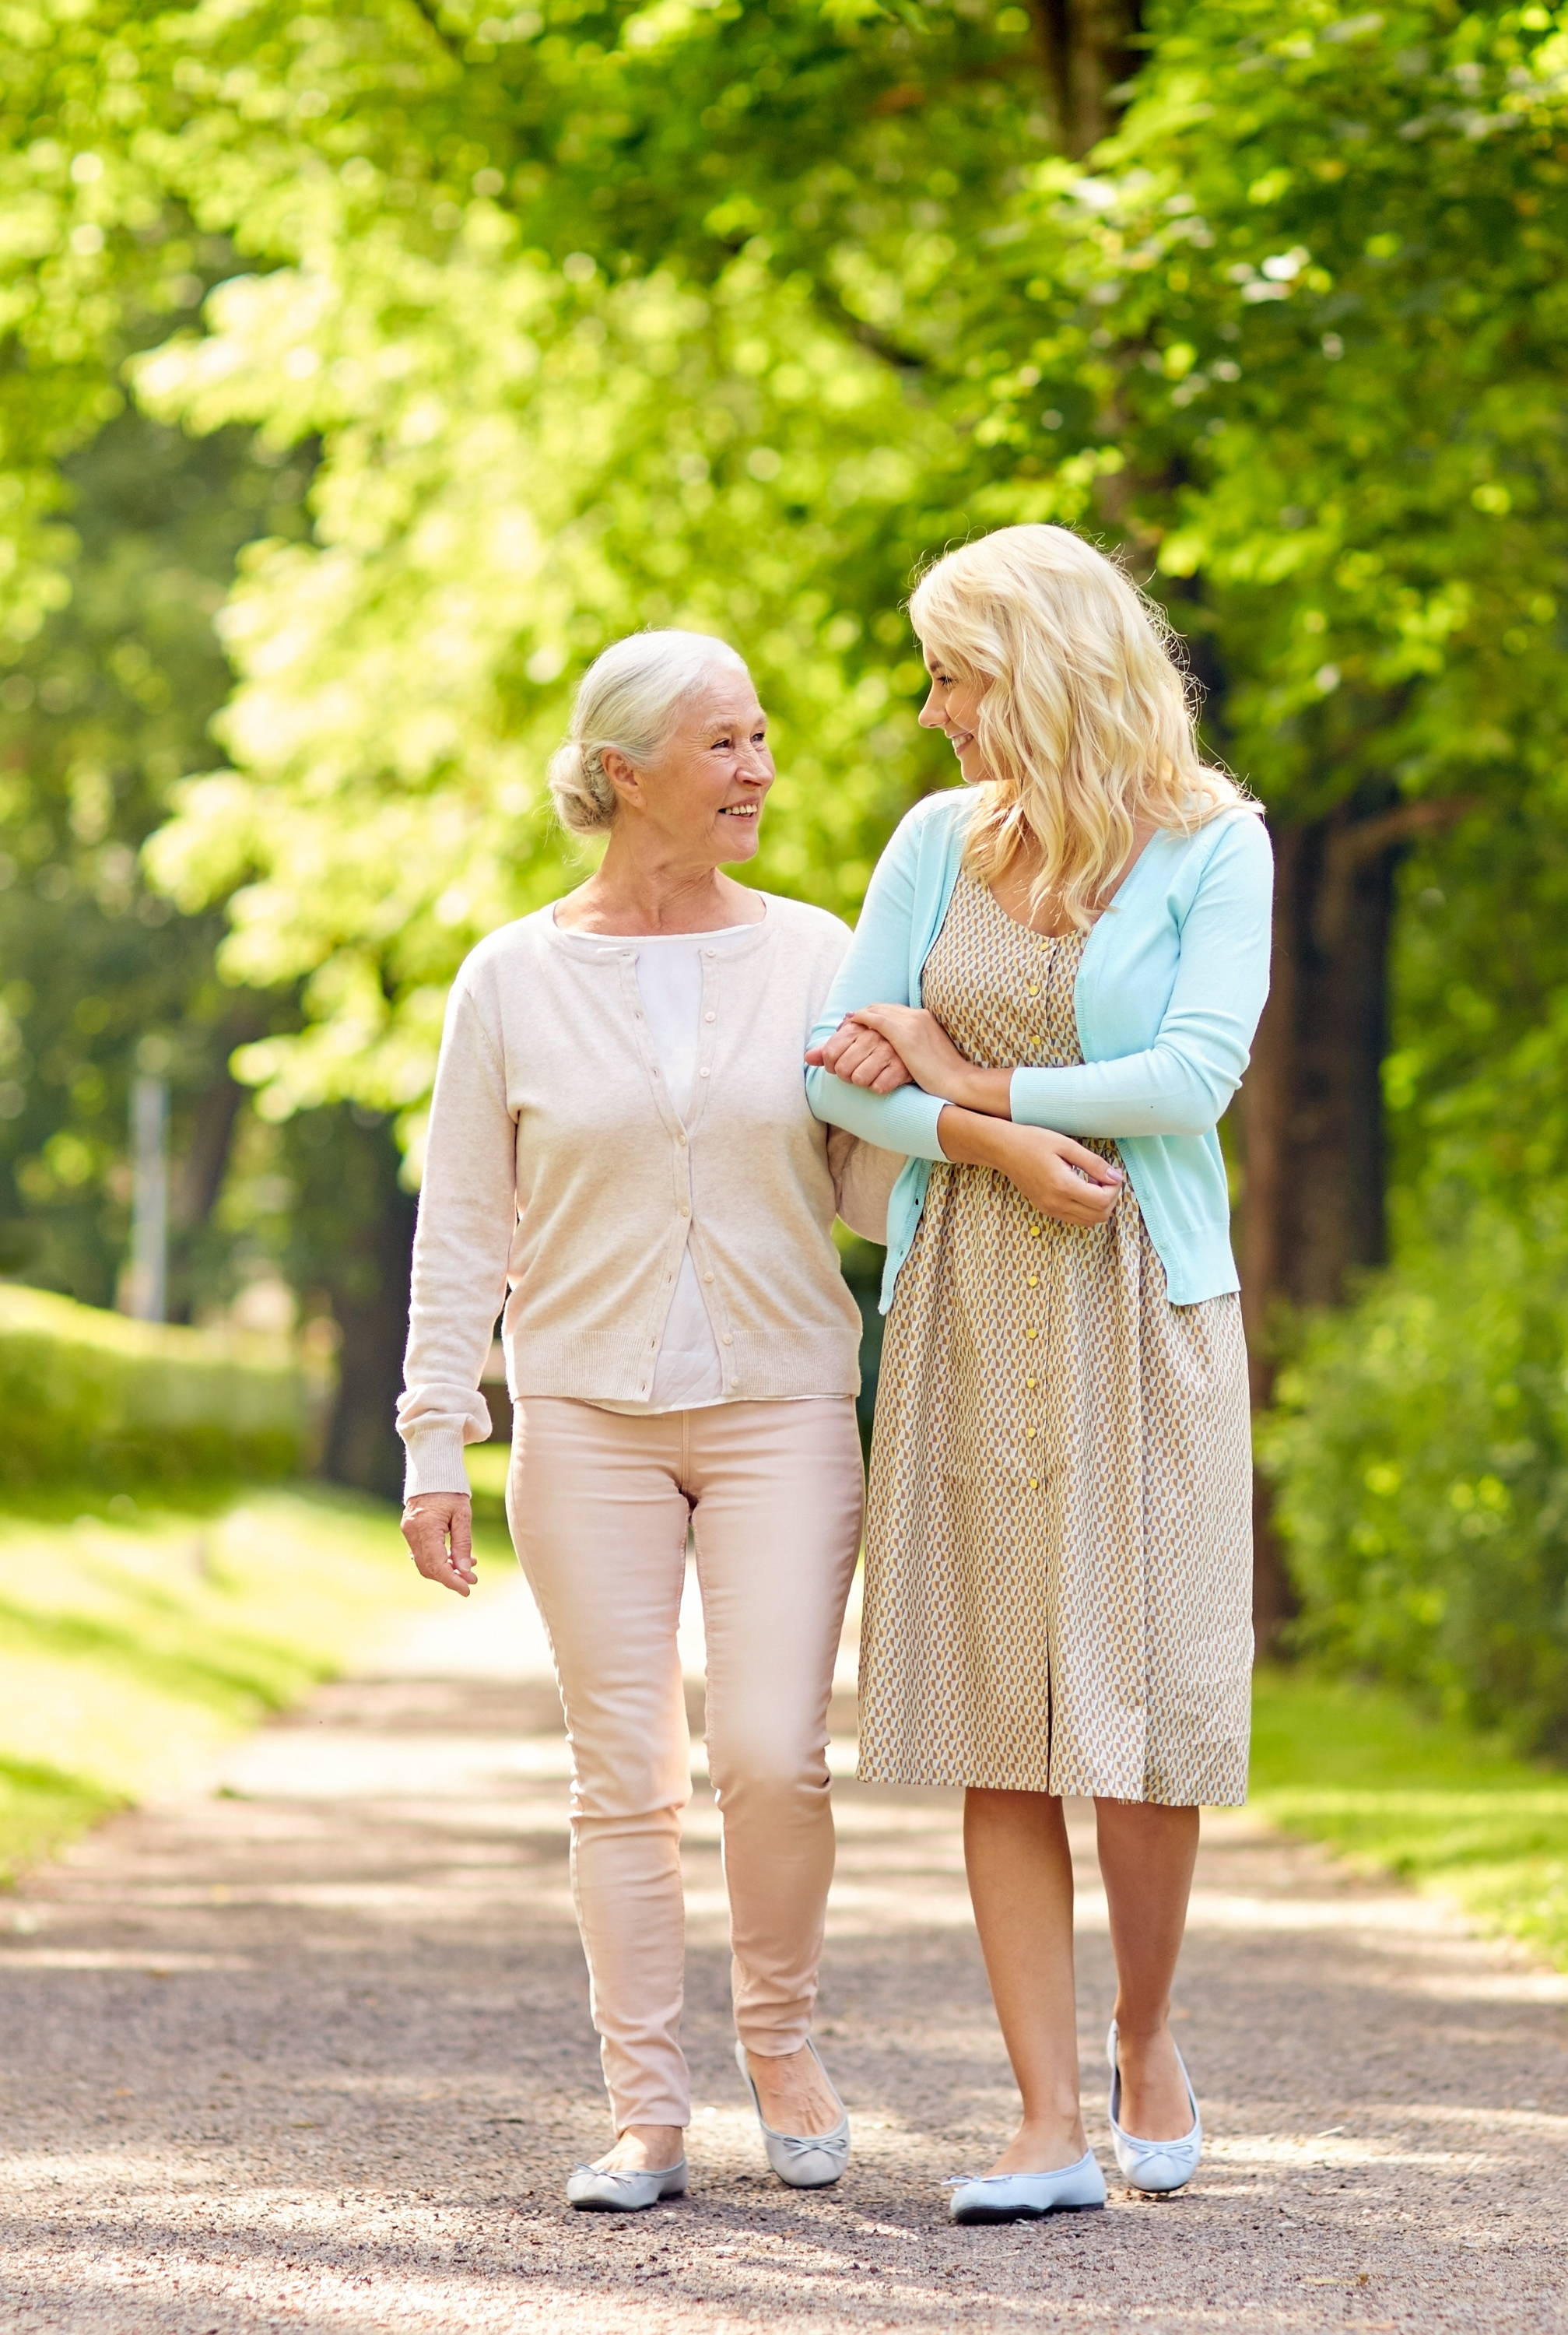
[1170, 985]
[560, 1178]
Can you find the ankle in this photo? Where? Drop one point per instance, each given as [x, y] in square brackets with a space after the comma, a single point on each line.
[1142, 2033]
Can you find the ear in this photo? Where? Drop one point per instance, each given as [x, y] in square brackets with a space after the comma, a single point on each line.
[622, 775]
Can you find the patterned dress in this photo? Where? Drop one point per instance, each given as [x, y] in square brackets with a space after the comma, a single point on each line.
[1058, 1547]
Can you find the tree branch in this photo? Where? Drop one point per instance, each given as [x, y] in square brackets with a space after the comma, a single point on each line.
[1353, 847]
[873, 340]
[429, 12]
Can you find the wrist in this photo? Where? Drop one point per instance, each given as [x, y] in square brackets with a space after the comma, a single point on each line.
[988, 1092]
[972, 1138]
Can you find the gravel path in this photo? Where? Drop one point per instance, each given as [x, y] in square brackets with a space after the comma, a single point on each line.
[313, 2053]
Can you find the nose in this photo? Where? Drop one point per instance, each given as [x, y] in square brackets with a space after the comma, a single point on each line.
[930, 716]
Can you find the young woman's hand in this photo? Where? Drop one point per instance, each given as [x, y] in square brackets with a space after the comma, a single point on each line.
[923, 1052]
[1057, 1176]
[438, 1527]
[861, 1057]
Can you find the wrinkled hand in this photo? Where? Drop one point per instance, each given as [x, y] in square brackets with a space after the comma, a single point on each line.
[438, 1527]
[862, 1057]
[1058, 1177]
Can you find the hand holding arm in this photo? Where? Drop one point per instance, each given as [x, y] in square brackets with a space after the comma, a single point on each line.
[1057, 1176]
[923, 1051]
[860, 1057]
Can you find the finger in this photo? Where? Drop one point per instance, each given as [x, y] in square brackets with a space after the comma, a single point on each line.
[1088, 1163]
[436, 1565]
[856, 1050]
[872, 1017]
[890, 1079]
[460, 1531]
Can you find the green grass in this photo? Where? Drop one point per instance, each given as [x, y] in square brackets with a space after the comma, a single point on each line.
[136, 1640]
[1449, 1811]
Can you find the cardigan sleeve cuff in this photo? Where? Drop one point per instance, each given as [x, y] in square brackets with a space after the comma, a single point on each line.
[903, 1121]
[434, 1462]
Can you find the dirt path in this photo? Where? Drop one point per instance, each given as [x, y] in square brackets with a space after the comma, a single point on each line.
[313, 2054]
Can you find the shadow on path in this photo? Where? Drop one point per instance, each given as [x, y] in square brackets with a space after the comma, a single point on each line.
[314, 2053]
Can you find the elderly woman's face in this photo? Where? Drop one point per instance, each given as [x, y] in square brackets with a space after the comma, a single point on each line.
[704, 794]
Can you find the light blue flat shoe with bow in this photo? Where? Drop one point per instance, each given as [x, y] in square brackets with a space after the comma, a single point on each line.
[802, 2161]
[1077, 2189]
[1157, 2167]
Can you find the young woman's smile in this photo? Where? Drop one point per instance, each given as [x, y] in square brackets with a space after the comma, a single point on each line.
[952, 706]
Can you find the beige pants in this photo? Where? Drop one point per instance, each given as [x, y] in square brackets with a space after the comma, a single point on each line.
[599, 1504]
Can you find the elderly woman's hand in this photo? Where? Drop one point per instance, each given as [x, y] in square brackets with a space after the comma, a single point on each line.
[438, 1527]
[862, 1057]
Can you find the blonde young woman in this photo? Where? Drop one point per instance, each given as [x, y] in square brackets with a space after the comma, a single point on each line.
[620, 1150]
[1049, 1005]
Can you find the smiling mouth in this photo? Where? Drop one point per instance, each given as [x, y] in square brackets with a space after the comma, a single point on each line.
[959, 739]
[741, 811]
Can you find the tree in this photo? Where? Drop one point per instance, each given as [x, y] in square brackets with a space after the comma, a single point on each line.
[725, 313]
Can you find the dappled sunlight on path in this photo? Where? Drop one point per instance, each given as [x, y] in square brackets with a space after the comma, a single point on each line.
[314, 2053]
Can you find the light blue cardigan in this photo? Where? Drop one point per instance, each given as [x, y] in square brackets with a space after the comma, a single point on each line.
[1170, 986]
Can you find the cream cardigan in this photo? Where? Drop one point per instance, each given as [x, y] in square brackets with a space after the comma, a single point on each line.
[559, 1179]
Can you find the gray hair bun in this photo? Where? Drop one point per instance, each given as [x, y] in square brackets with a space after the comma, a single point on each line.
[627, 702]
[584, 798]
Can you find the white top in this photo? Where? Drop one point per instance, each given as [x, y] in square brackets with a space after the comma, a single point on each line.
[689, 1374]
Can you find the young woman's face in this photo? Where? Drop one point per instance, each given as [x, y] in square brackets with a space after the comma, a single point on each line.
[703, 796]
[954, 708]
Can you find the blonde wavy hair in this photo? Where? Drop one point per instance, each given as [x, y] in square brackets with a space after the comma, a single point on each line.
[1087, 723]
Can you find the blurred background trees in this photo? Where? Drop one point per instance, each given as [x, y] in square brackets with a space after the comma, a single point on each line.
[368, 366]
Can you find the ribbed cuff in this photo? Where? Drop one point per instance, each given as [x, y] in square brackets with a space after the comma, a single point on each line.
[435, 1461]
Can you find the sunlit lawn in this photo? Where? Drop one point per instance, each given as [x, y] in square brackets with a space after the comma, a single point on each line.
[1354, 1767]
[136, 1640]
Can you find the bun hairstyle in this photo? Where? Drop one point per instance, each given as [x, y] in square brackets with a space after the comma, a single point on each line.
[1087, 723]
[627, 702]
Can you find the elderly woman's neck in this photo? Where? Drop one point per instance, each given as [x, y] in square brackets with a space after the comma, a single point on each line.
[640, 893]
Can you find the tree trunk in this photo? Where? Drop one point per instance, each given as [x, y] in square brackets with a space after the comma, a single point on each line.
[1313, 1202]
[1087, 50]
[364, 1233]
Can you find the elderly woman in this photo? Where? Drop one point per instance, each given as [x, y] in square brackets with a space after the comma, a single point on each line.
[622, 1151]
[1067, 956]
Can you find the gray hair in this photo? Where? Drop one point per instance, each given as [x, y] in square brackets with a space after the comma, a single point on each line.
[627, 702]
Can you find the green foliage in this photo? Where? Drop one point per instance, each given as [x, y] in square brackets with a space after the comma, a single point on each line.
[41, 1807]
[137, 1639]
[134, 1404]
[102, 712]
[1355, 1766]
[1419, 1452]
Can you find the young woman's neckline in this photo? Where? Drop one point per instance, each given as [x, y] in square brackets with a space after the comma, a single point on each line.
[1124, 879]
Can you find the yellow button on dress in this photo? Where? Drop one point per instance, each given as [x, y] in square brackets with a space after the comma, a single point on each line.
[1085, 1627]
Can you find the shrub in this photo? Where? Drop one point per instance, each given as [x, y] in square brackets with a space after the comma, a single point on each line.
[1419, 1448]
[91, 1396]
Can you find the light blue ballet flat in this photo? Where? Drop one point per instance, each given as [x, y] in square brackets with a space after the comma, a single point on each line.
[593, 2192]
[1158, 2167]
[1029, 2196]
[802, 2161]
